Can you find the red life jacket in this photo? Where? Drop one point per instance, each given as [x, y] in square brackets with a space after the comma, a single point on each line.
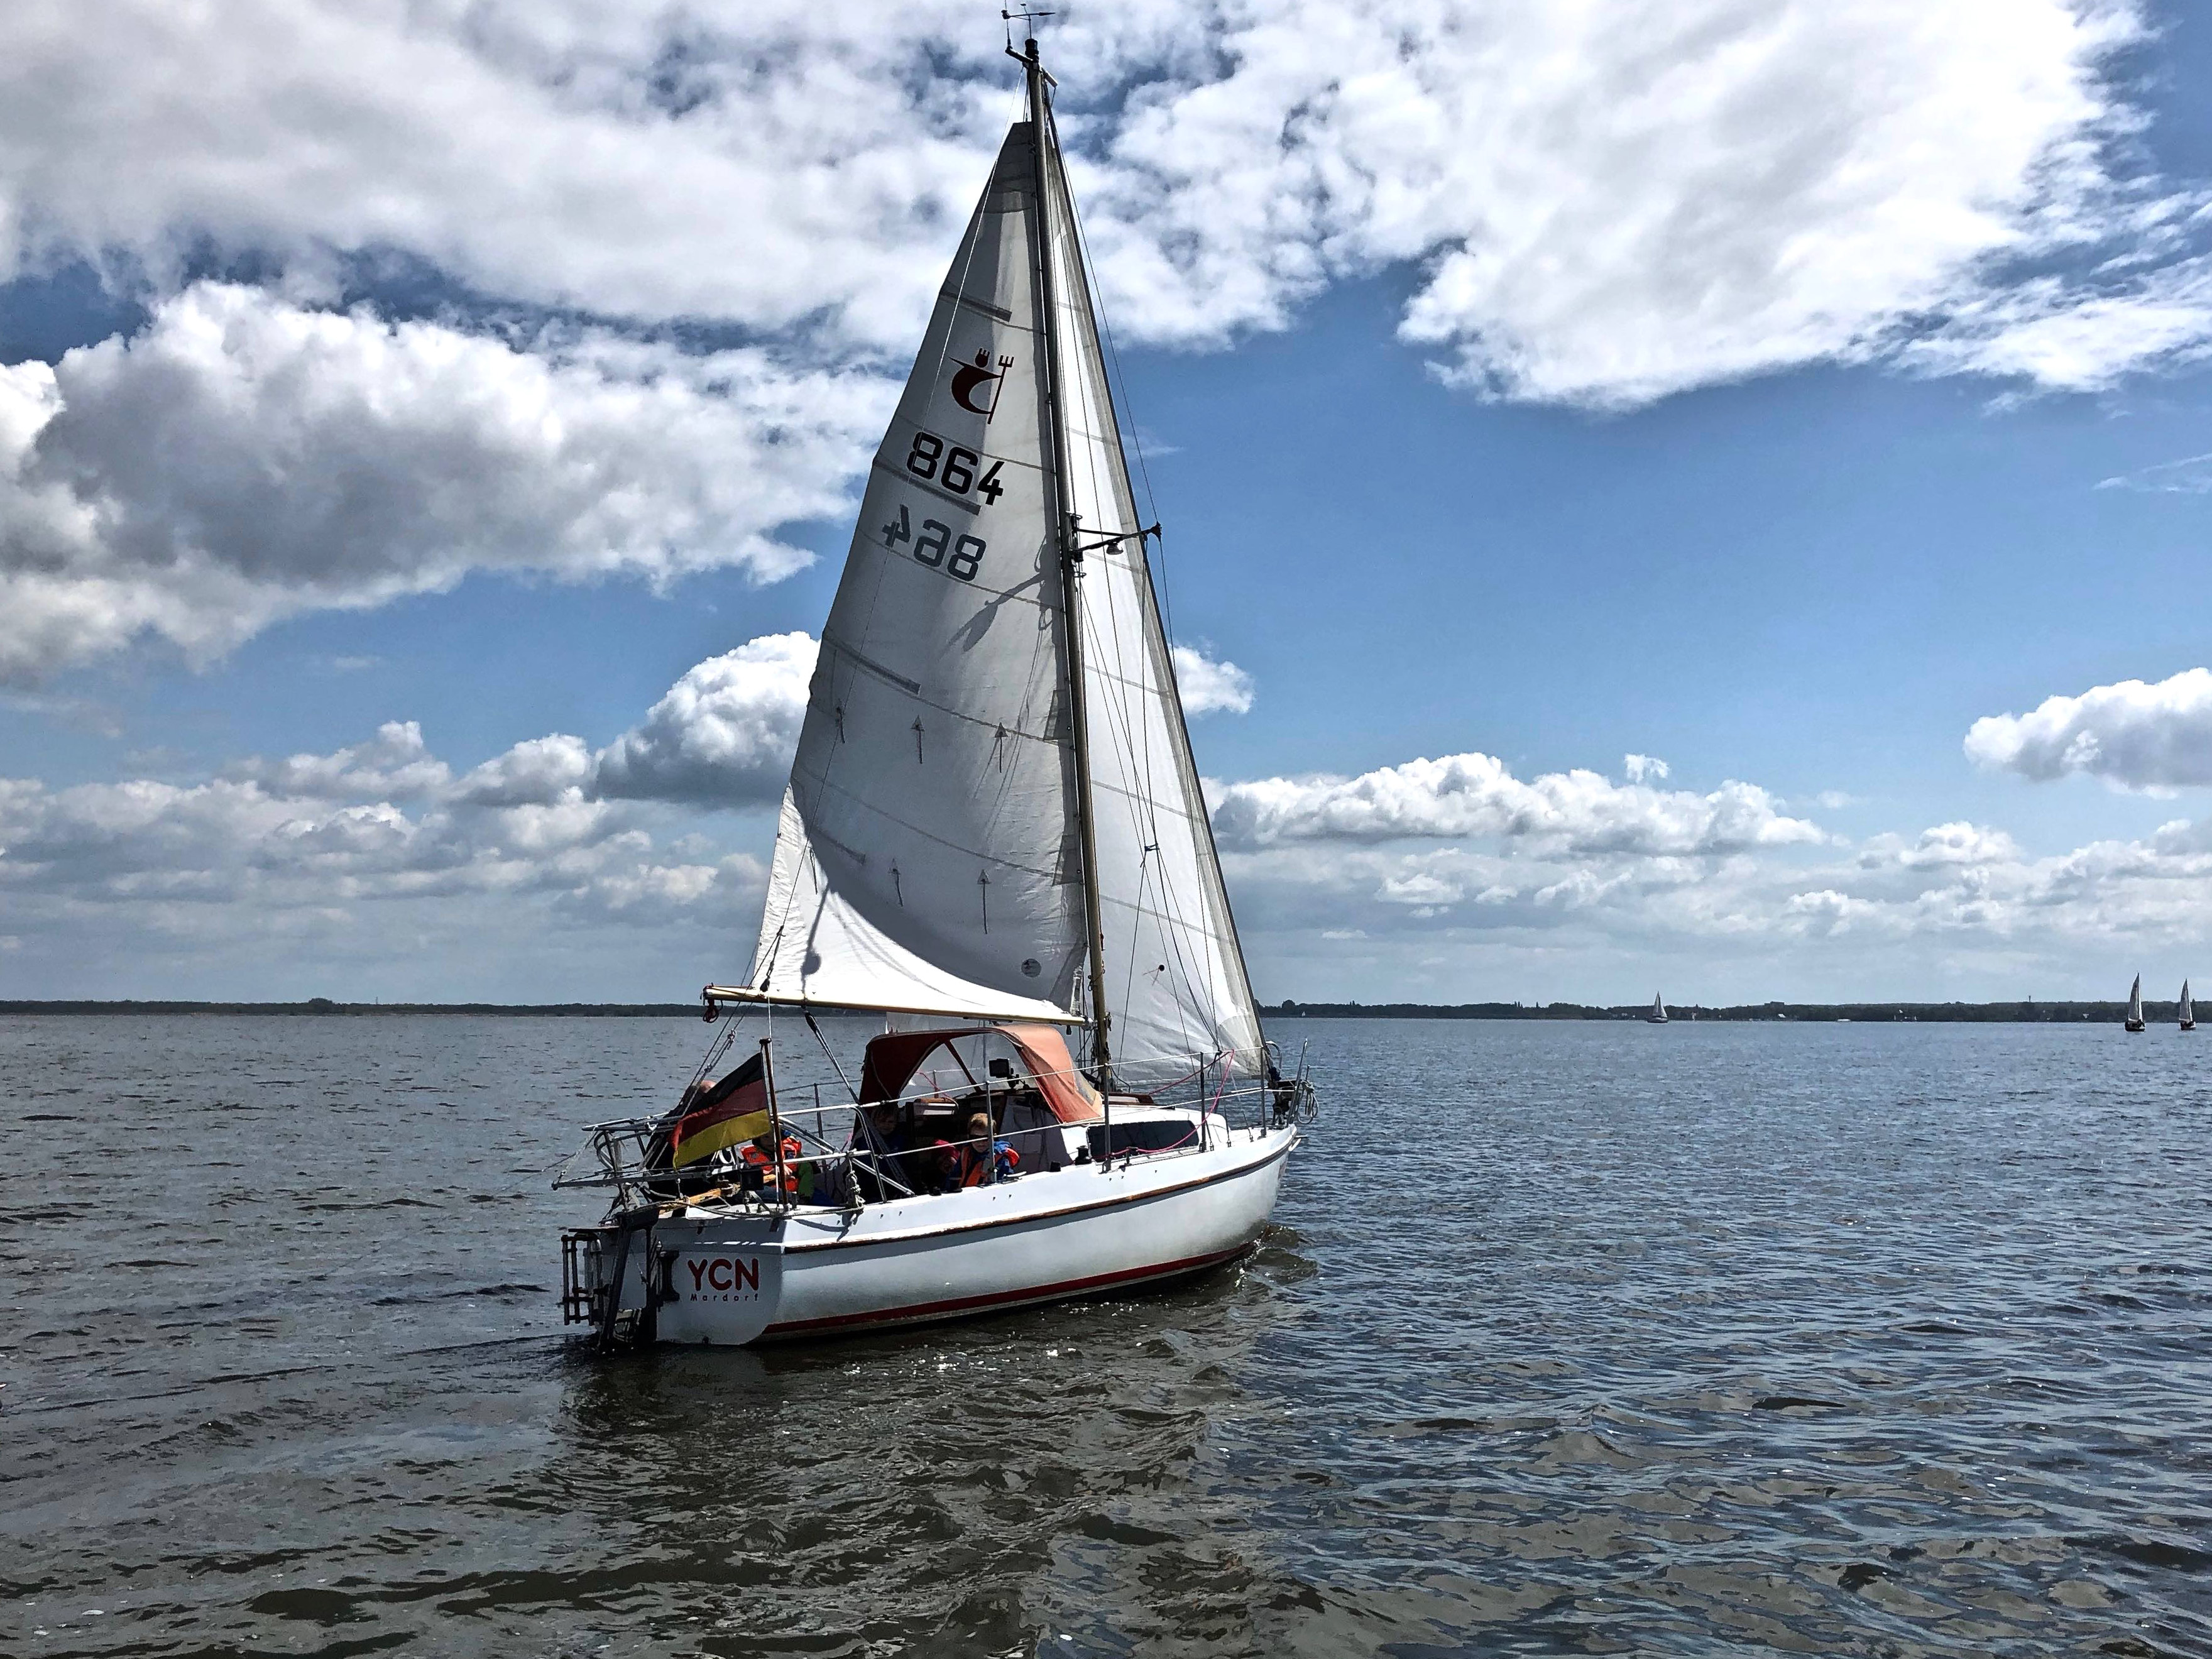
[766, 1164]
[976, 1163]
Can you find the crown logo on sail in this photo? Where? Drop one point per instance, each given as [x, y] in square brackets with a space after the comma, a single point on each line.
[976, 385]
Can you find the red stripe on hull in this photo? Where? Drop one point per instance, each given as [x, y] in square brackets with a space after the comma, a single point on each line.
[921, 1310]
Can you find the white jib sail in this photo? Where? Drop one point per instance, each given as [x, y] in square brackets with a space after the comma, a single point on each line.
[924, 860]
[1177, 995]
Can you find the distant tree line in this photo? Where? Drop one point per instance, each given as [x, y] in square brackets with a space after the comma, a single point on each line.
[1933, 1013]
[324, 1005]
[2030, 1011]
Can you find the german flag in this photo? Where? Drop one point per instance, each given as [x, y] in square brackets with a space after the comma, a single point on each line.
[728, 1114]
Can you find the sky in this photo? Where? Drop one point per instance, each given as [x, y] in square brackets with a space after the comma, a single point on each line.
[1706, 495]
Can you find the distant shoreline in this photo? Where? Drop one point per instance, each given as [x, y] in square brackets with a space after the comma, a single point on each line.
[324, 1005]
[1948, 1013]
[1954, 1013]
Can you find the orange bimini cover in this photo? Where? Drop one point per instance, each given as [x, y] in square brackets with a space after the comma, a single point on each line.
[894, 1058]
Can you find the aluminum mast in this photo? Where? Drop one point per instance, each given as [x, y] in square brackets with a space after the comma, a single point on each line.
[1071, 561]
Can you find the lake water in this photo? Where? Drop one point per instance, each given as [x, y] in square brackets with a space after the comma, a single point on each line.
[1572, 1338]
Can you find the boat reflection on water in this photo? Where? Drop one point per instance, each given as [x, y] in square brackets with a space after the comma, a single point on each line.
[994, 1481]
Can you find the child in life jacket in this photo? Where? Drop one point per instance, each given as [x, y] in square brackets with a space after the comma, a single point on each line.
[983, 1160]
[760, 1153]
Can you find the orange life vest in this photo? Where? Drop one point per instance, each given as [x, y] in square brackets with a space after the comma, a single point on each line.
[765, 1163]
[978, 1163]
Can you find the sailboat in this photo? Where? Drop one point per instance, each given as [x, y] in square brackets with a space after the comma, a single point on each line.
[2187, 1011]
[2135, 1019]
[1658, 1014]
[994, 838]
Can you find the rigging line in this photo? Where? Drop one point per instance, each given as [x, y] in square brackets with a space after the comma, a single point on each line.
[1125, 585]
[1111, 493]
[1173, 935]
[1151, 600]
[1146, 827]
[831, 1058]
[1136, 701]
[717, 1045]
[1112, 351]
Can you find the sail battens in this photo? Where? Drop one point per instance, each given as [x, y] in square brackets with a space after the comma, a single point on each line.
[974, 304]
[995, 860]
[912, 688]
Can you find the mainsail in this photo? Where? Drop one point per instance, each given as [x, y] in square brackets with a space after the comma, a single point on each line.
[931, 857]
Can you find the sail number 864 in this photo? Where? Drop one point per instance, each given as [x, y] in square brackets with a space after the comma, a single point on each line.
[935, 546]
[952, 467]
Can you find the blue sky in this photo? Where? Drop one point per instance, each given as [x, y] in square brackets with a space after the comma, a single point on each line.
[1782, 465]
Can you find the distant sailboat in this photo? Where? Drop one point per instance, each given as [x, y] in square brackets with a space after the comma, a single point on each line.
[2135, 1021]
[1658, 1014]
[2188, 1013]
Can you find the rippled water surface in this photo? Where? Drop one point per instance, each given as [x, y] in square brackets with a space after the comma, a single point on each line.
[1837, 1340]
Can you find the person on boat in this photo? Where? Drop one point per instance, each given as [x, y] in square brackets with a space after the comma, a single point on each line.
[760, 1154]
[941, 1172]
[822, 1181]
[983, 1159]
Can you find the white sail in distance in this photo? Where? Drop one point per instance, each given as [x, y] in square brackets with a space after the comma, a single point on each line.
[929, 856]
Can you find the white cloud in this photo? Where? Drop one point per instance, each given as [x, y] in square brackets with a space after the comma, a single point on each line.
[1449, 877]
[1639, 769]
[725, 732]
[2133, 735]
[243, 459]
[1476, 795]
[1958, 845]
[1208, 686]
[1957, 906]
[1604, 203]
[1607, 202]
[543, 771]
[2190, 476]
[2083, 334]
[289, 867]
[762, 160]
[395, 763]
[1614, 202]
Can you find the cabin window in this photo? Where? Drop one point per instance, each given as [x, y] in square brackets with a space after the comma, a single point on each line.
[1168, 1136]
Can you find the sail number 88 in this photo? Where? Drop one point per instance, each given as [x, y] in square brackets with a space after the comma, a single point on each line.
[953, 467]
[935, 546]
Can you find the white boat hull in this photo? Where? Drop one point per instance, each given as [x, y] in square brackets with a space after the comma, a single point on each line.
[732, 1278]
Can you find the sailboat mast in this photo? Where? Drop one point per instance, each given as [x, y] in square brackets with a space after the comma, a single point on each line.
[1071, 561]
